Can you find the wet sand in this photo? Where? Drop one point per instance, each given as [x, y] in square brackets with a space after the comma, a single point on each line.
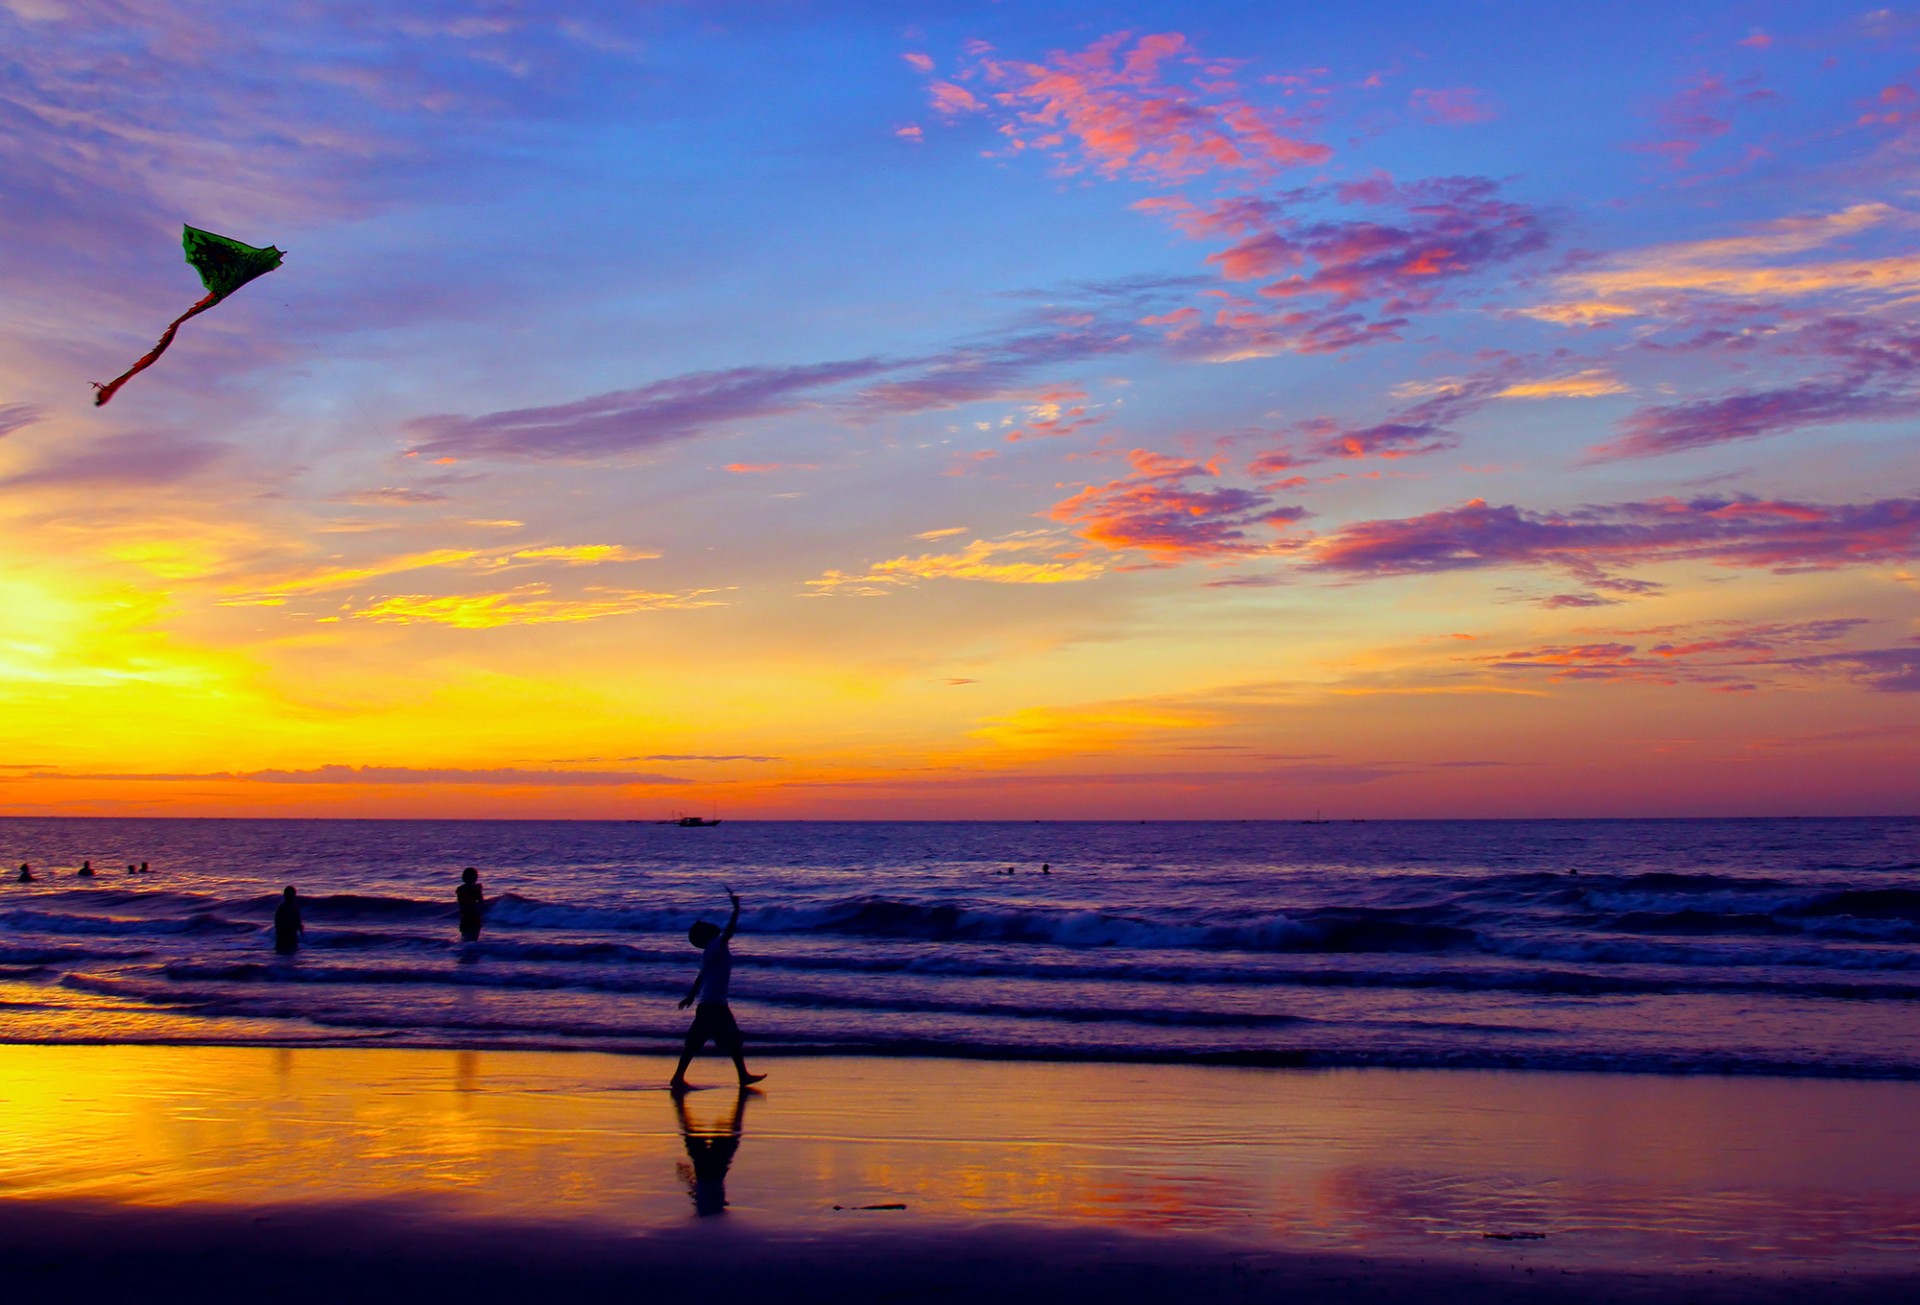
[160, 1173]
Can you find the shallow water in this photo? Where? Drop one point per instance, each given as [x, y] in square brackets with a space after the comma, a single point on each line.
[1776, 946]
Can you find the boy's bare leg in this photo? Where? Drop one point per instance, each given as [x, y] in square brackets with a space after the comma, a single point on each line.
[688, 1050]
[740, 1067]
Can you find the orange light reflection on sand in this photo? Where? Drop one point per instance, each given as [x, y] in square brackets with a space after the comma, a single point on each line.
[1616, 1169]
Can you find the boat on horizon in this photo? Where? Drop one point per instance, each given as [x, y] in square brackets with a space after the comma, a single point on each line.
[690, 822]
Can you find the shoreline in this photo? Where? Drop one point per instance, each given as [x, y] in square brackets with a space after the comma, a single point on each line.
[1735, 1068]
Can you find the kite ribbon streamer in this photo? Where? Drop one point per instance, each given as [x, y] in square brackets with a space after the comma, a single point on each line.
[152, 355]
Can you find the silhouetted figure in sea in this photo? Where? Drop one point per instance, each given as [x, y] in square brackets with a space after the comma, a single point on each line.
[26, 873]
[143, 869]
[472, 902]
[85, 871]
[286, 923]
[132, 869]
[710, 1149]
[712, 1019]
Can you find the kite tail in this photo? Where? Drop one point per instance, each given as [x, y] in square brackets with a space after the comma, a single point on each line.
[152, 355]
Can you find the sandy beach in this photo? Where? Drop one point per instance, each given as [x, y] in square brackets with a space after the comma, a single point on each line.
[230, 1172]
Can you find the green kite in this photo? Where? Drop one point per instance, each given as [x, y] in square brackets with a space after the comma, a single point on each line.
[224, 266]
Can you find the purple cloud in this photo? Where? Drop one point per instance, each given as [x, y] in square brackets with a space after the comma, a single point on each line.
[629, 421]
[137, 459]
[995, 370]
[1751, 415]
[1887, 670]
[13, 416]
[1736, 531]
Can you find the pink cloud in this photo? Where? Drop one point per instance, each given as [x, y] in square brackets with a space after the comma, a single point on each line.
[1896, 105]
[1449, 227]
[1431, 234]
[1419, 428]
[1054, 413]
[1456, 107]
[1150, 109]
[1240, 330]
[1155, 510]
[1697, 114]
[1730, 656]
[950, 100]
[919, 62]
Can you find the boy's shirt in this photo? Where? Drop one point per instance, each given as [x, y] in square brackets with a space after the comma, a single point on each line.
[716, 969]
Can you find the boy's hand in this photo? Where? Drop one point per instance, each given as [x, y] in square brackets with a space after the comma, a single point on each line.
[733, 897]
[686, 1001]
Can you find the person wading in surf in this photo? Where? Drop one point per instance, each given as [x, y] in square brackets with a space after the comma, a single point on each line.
[711, 1018]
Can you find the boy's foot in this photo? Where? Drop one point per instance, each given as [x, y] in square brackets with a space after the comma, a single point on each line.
[678, 1087]
[747, 1080]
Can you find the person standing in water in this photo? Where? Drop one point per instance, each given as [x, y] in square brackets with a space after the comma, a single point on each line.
[473, 904]
[712, 1018]
[286, 923]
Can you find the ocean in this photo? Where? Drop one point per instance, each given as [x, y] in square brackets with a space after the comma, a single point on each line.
[1787, 946]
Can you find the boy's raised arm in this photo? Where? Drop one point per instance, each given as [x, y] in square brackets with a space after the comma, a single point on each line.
[734, 919]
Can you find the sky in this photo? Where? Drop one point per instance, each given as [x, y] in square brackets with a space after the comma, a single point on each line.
[963, 411]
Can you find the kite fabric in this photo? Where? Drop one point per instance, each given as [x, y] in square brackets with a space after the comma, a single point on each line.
[224, 266]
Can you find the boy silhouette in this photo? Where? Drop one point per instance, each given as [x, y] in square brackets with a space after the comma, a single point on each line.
[287, 927]
[472, 901]
[711, 1018]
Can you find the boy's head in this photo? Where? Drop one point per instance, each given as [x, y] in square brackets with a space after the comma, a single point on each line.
[469, 875]
[702, 933]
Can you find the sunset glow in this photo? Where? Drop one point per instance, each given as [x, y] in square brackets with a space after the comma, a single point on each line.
[855, 412]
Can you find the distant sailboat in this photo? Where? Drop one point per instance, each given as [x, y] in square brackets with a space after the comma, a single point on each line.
[1317, 819]
[690, 822]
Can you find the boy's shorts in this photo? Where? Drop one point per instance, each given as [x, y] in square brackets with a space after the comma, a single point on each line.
[712, 1019]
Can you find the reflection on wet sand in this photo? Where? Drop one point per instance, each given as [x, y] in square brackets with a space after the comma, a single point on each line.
[710, 1150]
[1613, 1169]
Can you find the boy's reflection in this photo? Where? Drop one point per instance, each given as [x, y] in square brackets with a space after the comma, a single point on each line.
[710, 1149]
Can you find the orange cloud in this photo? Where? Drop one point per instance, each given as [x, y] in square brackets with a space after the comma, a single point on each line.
[982, 559]
[1738, 266]
[1154, 510]
[331, 578]
[526, 605]
[1590, 384]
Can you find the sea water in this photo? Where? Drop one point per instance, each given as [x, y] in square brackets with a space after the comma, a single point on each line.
[1754, 946]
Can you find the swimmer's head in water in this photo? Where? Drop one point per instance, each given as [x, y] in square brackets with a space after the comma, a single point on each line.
[469, 875]
[702, 933]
